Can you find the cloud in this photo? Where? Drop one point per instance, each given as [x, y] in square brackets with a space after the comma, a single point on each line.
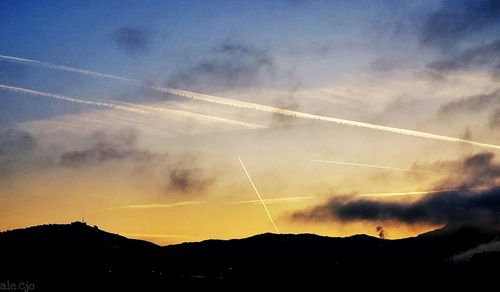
[476, 171]
[471, 104]
[495, 119]
[16, 149]
[456, 207]
[167, 172]
[104, 148]
[483, 55]
[171, 173]
[456, 21]
[16, 142]
[229, 66]
[475, 198]
[476, 107]
[186, 179]
[132, 40]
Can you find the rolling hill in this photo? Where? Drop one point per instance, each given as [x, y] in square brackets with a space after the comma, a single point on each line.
[79, 257]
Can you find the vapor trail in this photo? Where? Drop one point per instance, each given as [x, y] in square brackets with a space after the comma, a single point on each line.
[157, 206]
[403, 193]
[258, 195]
[254, 106]
[274, 200]
[301, 115]
[197, 116]
[136, 108]
[65, 68]
[369, 165]
[69, 99]
[135, 82]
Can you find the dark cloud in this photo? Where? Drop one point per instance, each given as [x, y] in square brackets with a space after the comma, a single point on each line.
[182, 172]
[132, 40]
[474, 197]
[459, 20]
[456, 207]
[229, 66]
[477, 171]
[480, 56]
[106, 147]
[185, 179]
[471, 104]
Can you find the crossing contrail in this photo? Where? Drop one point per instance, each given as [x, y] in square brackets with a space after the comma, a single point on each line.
[275, 200]
[370, 166]
[254, 106]
[258, 195]
[130, 107]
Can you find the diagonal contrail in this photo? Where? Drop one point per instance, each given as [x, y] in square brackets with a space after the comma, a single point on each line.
[65, 68]
[192, 115]
[255, 106]
[258, 195]
[369, 166]
[130, 107]
[70, 99]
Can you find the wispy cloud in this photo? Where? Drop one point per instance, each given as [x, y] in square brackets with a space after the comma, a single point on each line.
[456, 22]
[228, 66]
[132, 40]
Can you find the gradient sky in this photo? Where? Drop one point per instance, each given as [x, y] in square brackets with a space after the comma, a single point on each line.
[145, 171]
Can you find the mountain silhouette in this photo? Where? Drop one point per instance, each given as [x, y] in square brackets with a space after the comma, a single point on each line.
[78, 257]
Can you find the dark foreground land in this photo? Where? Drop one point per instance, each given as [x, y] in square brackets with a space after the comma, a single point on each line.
[78, 257]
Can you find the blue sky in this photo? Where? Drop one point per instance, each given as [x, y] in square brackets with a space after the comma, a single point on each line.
[308, 42]
[79, 33]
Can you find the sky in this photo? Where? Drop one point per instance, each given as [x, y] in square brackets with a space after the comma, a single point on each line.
[348, 116]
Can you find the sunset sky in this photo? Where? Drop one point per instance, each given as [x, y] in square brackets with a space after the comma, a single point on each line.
[136, 157]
